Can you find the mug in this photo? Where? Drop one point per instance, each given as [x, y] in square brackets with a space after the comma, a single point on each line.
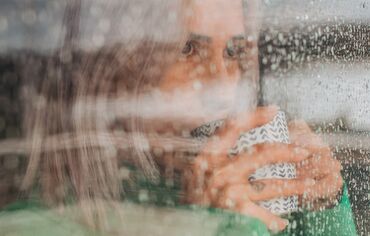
[274, 131]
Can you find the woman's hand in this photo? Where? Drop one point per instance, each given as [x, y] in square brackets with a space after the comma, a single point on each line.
[217, 180]
[321, 166]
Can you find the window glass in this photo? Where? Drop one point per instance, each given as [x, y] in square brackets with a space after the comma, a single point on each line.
[185, 117]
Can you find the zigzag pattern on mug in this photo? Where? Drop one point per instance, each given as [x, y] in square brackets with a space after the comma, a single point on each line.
[274, 131]
[280, 206]
[206, 130]
[276, 171]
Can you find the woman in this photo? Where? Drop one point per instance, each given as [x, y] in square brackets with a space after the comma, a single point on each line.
[215, 49]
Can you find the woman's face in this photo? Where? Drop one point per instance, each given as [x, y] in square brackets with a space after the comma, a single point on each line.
[212, 52]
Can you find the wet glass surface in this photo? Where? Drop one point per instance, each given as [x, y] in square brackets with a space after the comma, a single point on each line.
[99, 101]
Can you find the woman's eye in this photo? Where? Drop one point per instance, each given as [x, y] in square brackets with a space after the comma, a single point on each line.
[188, 49]
[230, 52]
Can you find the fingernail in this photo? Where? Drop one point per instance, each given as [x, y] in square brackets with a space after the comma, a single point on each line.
[283, 225]
[274, 227]
[286, 222]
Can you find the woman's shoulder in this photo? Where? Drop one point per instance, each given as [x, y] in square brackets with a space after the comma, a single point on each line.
[32, 218]
[26, 218]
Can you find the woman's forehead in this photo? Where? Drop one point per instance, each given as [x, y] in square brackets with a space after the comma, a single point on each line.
[217, 19]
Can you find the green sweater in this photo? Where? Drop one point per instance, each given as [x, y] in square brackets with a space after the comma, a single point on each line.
[336, 221]
[154, 209]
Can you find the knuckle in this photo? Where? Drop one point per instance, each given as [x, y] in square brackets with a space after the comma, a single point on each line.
[340, 181]
[200, 163]
[334, 164]
[230, 124]
[338, 166]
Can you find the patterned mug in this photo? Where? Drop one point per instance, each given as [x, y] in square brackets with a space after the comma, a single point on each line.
[274, 131]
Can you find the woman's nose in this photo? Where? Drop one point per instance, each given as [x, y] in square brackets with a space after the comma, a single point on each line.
[218, 67]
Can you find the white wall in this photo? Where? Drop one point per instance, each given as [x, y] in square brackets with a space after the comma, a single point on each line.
[324, 92]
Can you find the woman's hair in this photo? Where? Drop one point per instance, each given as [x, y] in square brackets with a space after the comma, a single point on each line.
[74, 152]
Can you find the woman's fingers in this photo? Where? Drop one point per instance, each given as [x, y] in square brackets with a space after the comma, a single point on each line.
[273, 222]
[215, 151]
[326, 171]
[320, 164]
[196, 183]
[201, 169]
[302, 135]
[246, 164]
[232, 195]
[324, 188]
[262, 190]
[237, 198]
